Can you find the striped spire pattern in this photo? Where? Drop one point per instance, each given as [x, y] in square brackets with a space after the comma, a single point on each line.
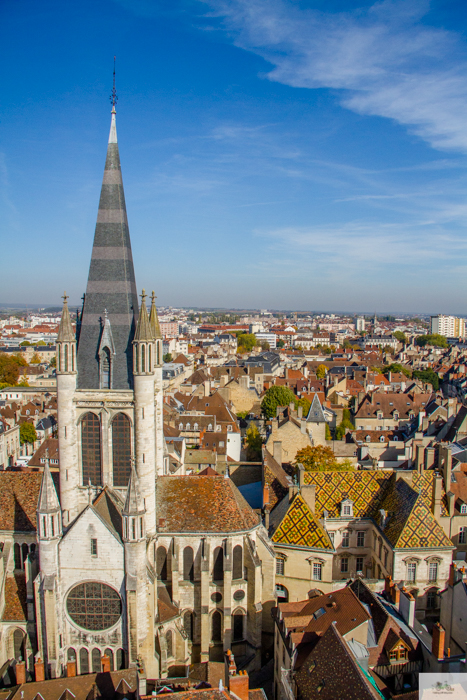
[111, 284]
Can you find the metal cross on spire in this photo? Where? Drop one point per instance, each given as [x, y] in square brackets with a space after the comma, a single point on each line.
[113, 96]
[65, 298]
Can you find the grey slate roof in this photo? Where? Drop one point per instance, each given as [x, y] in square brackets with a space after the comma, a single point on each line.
[316, 414]
[111, 282]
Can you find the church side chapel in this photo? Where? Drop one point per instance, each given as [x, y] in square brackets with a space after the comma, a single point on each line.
[154, 572]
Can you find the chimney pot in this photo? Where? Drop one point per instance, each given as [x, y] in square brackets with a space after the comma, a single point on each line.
[20, 672]
[39, 670]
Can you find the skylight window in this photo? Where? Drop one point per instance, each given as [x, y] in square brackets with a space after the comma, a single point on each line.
[318, 613]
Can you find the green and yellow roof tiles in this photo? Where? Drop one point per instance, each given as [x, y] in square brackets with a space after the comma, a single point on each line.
[423, 484]
[364, 488]
[301, 528]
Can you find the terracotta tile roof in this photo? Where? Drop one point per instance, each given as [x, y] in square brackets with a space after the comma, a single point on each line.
[50, 444]
[15, 599]
[19, 494]
[107, 686]
[301, 528]
[166, 610]
[210, 504]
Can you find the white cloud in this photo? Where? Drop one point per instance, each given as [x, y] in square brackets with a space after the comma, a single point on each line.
[387, 62]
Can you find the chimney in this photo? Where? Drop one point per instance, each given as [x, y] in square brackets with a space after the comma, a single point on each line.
[244, 382]
[437, 641]
[207, 388]
[420, 458]
[429, 457]
[301, 474]
[266, 510]
[437, 491]
[395, 595]
[308, 492]
[223, 380]
[39, 670]
[71, 669]
[240, 685]
[451, 503]
[300, 412]
[105, 661]
[20, 672]
[452, 575]
[277, 451]
[387, 585]
[291, 407]
[303, 426]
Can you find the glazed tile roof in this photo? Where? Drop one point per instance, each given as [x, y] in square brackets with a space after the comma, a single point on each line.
[19, 494]
[410, 523]
[364, 488]
[423, 484]
[15, 599]
[301, 528]
[210, 504]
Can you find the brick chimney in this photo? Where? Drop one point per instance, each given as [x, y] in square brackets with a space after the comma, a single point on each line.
[105, 661]
[395, 594]
[39, 670]
[452, 575]
[238, 682]
[277, 451]
[20, 672]
[437, 642]
[387, 585]
[71, 669]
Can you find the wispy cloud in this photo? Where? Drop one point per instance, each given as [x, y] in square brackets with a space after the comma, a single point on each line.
[384, 59]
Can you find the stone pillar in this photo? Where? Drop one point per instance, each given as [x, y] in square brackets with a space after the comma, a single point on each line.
[228, 603]
[205, 600]
[68, 446]
[145, 445]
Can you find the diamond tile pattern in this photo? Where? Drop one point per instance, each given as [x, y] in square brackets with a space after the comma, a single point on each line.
[364, 488]
[300, 527]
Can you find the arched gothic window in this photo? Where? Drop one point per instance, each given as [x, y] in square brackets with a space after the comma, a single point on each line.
[188, 624]
[169, 642]
[120, 659]
[110, 654]
[238, 626]
[17, 553]
[83, 661]
[161, 563]
[105, 369]
[237, 569]
[216, 626]
[188, 566]
[218, 564]
[91, 449]
[121, 449]
[71, 654]
[19, 639]
[96, 660]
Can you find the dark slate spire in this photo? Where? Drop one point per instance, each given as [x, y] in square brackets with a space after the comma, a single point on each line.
[315, 414]
[154, 319]
[111, 282]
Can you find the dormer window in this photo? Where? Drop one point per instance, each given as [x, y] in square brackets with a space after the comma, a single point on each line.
[396, 415]
[367, 438]
[380, 415]
[381, 438]
[464, 509]
[347, 509]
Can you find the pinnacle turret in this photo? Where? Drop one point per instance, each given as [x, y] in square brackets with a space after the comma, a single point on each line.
[154, 319]
[143, 329]
[134, 504]
[48, 499]
[65, 330]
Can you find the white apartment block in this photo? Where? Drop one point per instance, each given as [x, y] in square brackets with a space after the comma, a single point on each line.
[449, 326]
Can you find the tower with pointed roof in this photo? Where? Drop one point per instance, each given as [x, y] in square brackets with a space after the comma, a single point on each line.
[156, 329]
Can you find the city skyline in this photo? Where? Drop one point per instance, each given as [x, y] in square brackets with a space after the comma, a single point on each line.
[273, 155]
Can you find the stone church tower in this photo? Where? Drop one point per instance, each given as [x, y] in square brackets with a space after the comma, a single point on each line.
[96, 591]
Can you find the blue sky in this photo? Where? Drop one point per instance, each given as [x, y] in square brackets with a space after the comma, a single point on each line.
[275, 153]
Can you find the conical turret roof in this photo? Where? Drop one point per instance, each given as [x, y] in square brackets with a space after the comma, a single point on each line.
[65, 330]
[143, 328]
[154, 319]
[111, 282]
[316, 414]
[48, 499]
[134, 504]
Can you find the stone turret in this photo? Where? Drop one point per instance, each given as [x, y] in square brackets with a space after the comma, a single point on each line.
[67, 436]
[49, 523]
[145, 430]
[156, 329]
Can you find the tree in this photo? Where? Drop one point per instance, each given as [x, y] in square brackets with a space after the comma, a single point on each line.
[10, 368]
[41, 342]
[53, 362]
[280, 343]
[167, 357]
[304, 403]
[27, 433]
[400, 336]
[438, 341]
[274, 397]
[396, 367]
[320, 458]
[24, 343]
[327, 351]
[264, 345]
[321, 371]
[246, 342]
[328, 433]
[35, 359]
[428, 376]
[254, 442]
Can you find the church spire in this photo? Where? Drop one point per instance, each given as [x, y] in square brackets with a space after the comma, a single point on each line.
[65, 330]
[154, 319]
[111, 282]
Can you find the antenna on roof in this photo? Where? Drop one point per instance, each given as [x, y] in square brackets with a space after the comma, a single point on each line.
[113, 96]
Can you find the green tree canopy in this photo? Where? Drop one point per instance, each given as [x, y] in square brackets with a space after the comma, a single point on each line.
[320, 458]
[396, 367]
[400, 336]
[167, 357]
[27, 433]
[53, 362]
[321, 371]
[280, 343]
[35, 359]
[246, 342]
[428, 376]
[438, 341]
[274, 397]
[25, 343]
[254, 443]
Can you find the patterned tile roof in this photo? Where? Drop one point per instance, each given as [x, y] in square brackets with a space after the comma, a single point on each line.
[19, 494]
[364, 488]
[423, 484]
[300, 527]
[15, 599]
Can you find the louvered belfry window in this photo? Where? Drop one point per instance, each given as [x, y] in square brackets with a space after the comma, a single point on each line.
[91, 449]
[121, 449]
[94, 606]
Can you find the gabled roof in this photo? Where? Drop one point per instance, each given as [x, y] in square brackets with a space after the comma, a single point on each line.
[315, 414]
[364, 488]
[301, 528]
[19, 495]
